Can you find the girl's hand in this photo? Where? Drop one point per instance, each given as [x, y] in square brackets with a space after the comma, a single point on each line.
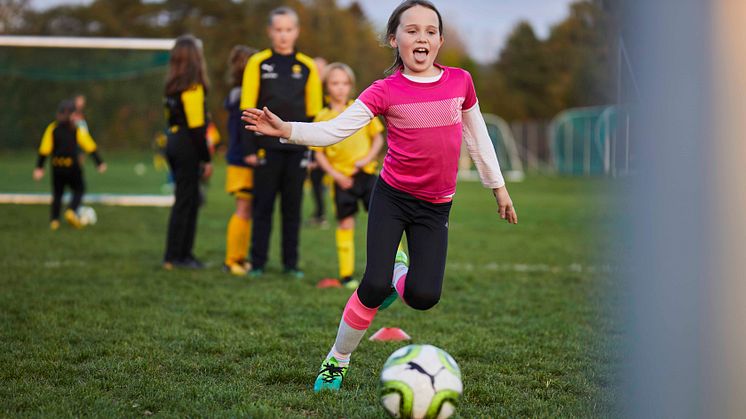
[252, 160]
[343, 181]
[38, 173]
[505, 205]
[265, 122]
[102, 167]
[361, 163]
[206, 170]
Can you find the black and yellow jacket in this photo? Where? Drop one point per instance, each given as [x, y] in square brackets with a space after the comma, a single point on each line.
[288, 85]
[63, 141]
[187, 112]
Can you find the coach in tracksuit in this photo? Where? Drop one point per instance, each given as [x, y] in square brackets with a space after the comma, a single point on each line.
[287, 82]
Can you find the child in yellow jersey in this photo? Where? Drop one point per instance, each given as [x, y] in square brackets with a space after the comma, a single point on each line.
[351, 163]
[239, 177]
[63, 140]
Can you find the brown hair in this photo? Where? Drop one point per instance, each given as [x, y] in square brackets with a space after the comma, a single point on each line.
[394, 21]
[186, 66]
[345, 69]
[237, 63]
[65, 111]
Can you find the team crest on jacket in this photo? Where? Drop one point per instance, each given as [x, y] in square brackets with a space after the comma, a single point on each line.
[297, 71]
[268, 71]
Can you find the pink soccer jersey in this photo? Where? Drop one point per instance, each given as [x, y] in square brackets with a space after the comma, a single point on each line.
[424, 130]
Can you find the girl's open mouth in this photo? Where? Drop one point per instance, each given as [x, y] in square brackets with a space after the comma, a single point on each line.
[420, 54]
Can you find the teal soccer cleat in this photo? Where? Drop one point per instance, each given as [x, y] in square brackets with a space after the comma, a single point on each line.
[330, 375]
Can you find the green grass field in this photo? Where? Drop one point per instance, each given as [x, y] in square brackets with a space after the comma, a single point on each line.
[90, 326]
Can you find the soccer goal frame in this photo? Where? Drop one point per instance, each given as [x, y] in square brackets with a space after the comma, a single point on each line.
[87, 42]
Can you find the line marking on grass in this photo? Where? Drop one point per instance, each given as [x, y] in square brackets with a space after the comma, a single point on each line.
[54, 264]
[528, 267]
[124, 200]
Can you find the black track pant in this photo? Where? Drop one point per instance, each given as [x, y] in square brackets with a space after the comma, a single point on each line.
[392, 213]
[182, 224]
[317, 176]
[279, 172]
[66, 176]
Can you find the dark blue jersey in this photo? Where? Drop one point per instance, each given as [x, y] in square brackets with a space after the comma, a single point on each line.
[236, 144]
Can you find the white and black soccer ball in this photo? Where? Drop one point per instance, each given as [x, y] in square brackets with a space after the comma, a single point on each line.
[87, 216]
[420, 381]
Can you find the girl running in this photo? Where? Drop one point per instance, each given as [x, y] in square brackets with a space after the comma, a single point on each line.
[351, 163]
[428, 108]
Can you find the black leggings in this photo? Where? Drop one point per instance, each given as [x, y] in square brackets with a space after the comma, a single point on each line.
[182, 223]
[392, 213]
[66, 176]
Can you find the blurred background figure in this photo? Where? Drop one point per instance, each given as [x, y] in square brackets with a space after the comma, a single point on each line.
[80, 102]
[239, 177]
[352, 164]
[186, 148]
[286, 80]
[63, 140]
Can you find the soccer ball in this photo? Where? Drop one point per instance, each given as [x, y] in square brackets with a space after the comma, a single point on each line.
[420, 381]
[87, 216]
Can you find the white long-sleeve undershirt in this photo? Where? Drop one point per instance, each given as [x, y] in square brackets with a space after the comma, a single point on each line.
[357, 115]
[326, 133]
[480, 148]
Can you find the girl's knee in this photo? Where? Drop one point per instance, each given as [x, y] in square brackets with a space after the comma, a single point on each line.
[373, 294]
[347, 223]
[244, 213]
[243, 208]
[422, 299]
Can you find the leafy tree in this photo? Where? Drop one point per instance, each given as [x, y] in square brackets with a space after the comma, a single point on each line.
[532, 78]
[12, 14]
[573, 67]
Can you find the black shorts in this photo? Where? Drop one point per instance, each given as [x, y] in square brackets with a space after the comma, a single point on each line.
[345, 201]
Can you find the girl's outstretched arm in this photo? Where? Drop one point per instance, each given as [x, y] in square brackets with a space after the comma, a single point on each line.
[319, 134]
[265, 122]
[482, 152]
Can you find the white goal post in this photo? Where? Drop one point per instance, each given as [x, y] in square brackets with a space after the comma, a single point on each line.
[86, 42]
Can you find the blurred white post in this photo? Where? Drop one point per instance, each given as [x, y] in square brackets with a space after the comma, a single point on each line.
[669, 213]
[729, 207]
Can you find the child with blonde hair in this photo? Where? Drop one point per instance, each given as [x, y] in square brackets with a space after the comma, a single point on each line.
[351, 163]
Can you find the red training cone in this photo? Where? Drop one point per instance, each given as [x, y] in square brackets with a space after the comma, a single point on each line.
[329, 283]
[390, 334]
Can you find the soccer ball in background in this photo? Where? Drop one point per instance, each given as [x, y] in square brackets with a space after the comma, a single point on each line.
[87, 215]
[420, 381]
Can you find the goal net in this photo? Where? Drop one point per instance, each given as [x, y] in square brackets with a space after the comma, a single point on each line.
[121, 78]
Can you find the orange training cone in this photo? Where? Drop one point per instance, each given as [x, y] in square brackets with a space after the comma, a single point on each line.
[329, 283]
[390, 334]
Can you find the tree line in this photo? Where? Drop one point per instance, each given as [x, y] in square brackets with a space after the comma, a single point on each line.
[531, 78]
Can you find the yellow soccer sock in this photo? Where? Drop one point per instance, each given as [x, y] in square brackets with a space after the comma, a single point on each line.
[245, 239]
[346, 252]
[236, 243]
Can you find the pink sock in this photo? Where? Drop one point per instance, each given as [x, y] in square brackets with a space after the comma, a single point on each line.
[400, 277]
[356, 315]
